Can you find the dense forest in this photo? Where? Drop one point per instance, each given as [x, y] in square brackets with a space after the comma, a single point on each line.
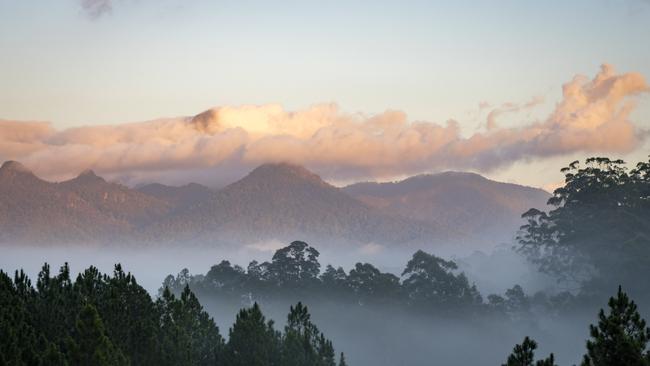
[595, 238]
[111, 320]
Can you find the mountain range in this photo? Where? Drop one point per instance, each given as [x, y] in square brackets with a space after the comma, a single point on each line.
[274, 201]
[455, 202]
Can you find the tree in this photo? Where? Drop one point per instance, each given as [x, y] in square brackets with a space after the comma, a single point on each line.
[303, 344]
[620, 338]
[252, 341]
[516, 300]
[91, 345]
[104, 320]
[130, 317]
[598, 234]
[300, 338]
[524, 355]
[18, 337]
[429, 280]
[334, 278]
[225, 277]
[326, 355]
[342, 360]
[188, 335]
[296, 264]
[369, 283]
[56, 304]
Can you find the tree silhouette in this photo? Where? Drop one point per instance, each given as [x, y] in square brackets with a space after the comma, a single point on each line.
[252, 341]
[295, 264]
[620, 338]
[429, 280]
[524, 355]
[598, 234]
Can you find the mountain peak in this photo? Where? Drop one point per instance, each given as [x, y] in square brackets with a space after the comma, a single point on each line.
[88, 173]
[14, 166]
[88, 176]
[284, 170]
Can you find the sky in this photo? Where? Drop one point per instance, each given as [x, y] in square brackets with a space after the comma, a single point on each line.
[382, 89]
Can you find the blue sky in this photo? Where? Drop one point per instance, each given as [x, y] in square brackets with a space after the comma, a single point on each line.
[433, 60]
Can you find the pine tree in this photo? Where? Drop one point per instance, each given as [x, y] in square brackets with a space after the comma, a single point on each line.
[342, 360]
[300, 343]
[620, 338]
[524, 355]
[91, 346]
[188, 336]
[252, 341]
[326, 355]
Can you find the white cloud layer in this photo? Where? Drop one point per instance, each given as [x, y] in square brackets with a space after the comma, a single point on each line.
[592, 117]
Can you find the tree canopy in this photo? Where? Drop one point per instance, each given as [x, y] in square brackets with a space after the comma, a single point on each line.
[99, 319]
[598, 233]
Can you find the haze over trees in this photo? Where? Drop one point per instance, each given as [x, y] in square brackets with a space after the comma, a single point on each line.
[98, 319]
[595, 239]
[619, 339]
[427, 282]
[598, 234]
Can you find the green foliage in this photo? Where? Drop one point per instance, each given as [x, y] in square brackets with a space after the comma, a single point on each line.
[188, 336]
[598, 234]
[428, 282]
[524, 355]
[620, 338]
[368, 283]
[296, 264]
[111, 320]
[20, 337]
[252, 341]
[303, 343]
[91, 346]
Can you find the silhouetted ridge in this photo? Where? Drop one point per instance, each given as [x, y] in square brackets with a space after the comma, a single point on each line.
[477, 207]
[285, 172]
[274, 201]
[14, 166]
[285, 201]
[89, 176]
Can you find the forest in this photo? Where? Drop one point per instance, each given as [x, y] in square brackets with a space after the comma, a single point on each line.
[111, 320]
[595, 241]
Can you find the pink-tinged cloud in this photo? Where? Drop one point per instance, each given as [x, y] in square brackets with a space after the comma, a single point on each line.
[592, 117]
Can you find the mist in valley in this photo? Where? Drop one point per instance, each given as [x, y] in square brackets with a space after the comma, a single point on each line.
[368, 334]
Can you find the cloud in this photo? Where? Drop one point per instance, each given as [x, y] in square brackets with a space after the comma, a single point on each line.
[96, 8]
[509, 107]
[592, 117]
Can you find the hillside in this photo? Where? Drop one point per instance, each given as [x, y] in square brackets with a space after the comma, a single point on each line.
[479, 208]
[282, 201]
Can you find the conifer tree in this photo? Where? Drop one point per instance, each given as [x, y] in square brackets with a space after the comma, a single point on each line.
[252, 341]
[91, 346]
[620, 338]
[524, 355]
[300, 338]
[342, 360]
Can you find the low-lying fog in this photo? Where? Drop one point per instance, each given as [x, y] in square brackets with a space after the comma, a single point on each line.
[493, 271]
[369, 338]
